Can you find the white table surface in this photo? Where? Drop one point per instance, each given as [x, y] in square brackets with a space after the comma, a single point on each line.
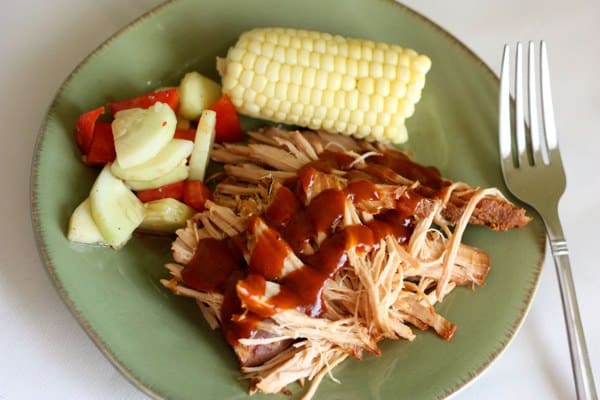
[44, 353]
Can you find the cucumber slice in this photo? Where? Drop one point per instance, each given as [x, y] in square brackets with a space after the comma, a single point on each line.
[197, 93]
[172, 155]
[82, 228]
[205, 138]
[141, 134]
[115, 209]
[165, 215]
[179, 173]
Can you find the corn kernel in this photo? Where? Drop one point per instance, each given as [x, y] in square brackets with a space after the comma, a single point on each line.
[315, 60]
[422, 63]
[328, 98]
[279, 54]
[363, 102]
[343, 48]
[293, 92]
[284, 40]
[267, 112]
[352, 68]
[344, 115]
[418, 78]
[281, 90]
[411, 53]
[285, 106]
[391, 105]
[335, 81]
[362, 131]
[389, 71]
[367, 53]
[234, 69]
[351, 129]
[297, 109]
[304, 96]
[272, 37]
[340, 99]
[285, 73]
[235, 54]
[279, 116]
[248, 61]
[321, 80]
[370, 118]
[332, 113]
[237, 93]
[339, 64]
[363, 69]
[272, 71]
[366, 86]
[316, 96]
[297, 72]
[259, 83]
[383, 118]
[327, 62]
[303, 58]
[351, 100]
[228, 82]
[348, 83]
[357, 117]
[378, 55]
[308, 79]
[390, 57]
[315, 123]
[376, 70]
[354, 50]
[328, 124]
[377, 103]
[382, 87]
[254, 47]
[403, 74]
[268, 49]
[270, 90]
[398, 89]
[253, 108]
[413, 93]
[307, 44]
[340, 126]
[246, 78]
[406, 108]
[295, 43]
[319, 46]
[320, 112]
[291, 56]
[403, 60]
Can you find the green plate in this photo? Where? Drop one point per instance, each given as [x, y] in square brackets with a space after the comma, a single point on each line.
[160, 341]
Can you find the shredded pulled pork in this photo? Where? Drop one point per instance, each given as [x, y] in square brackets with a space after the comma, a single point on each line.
[318, 246]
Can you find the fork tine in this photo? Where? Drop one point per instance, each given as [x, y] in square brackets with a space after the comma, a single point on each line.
[504, 128]
[534, 132]
[519, 115]
[547, 107]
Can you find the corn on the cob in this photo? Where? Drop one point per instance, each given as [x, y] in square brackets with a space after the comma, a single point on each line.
[321, 81]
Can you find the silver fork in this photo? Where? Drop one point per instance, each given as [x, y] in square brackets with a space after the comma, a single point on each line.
[533, 172]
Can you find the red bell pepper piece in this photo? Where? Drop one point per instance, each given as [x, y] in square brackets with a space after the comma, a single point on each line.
[228, 127]
[84, 133]
[186, 134]
[167, 96]
[173, 190]
[102, 149]
[195, 194]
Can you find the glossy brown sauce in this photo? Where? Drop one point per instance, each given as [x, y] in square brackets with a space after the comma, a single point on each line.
[310, 240]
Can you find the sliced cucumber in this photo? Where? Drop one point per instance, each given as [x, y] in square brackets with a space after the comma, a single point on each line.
[203, 144]
[179, 173]
[172, 155]
[165, 215]
[82, 228]
[141, 134]
[197, 93]
[115, 209]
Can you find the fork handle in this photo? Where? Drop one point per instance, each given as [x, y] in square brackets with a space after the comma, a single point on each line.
[580, 361]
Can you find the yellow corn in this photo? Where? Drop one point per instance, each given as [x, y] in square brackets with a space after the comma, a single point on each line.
[321, 81]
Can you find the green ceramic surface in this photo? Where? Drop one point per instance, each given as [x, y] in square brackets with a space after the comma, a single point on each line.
[160, 341]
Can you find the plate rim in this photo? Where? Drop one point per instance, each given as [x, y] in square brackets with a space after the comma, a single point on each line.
[93, 335]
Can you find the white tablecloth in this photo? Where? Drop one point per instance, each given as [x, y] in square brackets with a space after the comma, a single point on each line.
[43, 351]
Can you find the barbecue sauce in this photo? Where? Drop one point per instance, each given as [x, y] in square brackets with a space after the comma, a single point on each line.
[309, 241]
